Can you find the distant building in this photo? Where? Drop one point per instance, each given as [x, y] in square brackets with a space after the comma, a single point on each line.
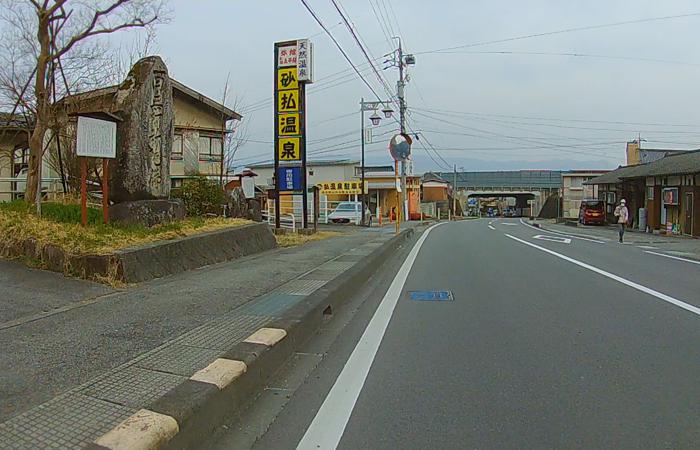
[434, 188]
[574, 190]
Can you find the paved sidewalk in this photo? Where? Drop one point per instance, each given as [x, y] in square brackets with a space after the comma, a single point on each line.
[676, 246]
[96, 364]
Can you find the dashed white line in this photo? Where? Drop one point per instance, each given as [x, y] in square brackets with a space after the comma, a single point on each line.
[612, 276]
[673, 257]
[328, 426]
[492, 227]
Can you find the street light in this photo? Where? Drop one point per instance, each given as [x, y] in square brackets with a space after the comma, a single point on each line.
[375, 118]
[388, 112]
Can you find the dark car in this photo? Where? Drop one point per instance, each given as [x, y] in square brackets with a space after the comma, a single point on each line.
[592, 212]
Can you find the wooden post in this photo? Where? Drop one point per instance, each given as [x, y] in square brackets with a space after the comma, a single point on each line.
[105, 190]
[83, 190]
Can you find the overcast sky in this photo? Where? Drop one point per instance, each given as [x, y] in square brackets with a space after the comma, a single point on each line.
[480, 109]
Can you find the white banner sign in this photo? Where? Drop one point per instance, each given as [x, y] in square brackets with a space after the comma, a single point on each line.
[96, 138]
[305, 53]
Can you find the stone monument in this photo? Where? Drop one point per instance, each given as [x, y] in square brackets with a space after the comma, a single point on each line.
[140, 174]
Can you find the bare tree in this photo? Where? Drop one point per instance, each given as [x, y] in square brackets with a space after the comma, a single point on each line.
[233, 135]
[55, 37]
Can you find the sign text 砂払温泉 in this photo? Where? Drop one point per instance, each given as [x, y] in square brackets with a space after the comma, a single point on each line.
[341, 187]
[293, 70]
[96, 138]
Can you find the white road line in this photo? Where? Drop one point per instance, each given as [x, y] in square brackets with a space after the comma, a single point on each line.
[619, 279]
[646, 247]
[492, 227]
[574, 236]
[673, 257]
[510, 224]
[328, 426]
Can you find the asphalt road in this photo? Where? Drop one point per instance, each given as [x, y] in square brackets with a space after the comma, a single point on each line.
[550, 342]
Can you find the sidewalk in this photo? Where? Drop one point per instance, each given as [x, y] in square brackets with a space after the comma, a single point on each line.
[676, 246]
[71, 376]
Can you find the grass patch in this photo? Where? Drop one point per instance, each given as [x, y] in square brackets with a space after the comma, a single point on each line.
[294, 239]
[60, 225]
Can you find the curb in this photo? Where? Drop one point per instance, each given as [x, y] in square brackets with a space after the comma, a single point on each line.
[188, 414]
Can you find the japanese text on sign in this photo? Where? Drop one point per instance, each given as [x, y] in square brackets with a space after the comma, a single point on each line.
[304, 60]
[288, 101]
[289, 149]
[340, 187]
[287, 78]
[287, 56]
[289, 178]
[288, 124]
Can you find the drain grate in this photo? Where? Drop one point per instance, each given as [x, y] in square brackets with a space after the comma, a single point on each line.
[431, 296]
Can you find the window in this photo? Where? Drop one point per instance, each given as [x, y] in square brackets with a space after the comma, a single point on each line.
[176, 183]
[650, 192]
[177, 147]
[210, 148]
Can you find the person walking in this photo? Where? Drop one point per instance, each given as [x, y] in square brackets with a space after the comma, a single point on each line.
[623, 216]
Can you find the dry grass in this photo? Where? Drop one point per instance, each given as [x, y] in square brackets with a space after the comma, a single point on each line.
[294, 239]
[17, 224]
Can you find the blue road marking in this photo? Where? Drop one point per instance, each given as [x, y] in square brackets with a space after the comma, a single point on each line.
[431, 296]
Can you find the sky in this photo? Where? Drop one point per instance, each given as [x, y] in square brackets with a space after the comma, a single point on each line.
[518, 104]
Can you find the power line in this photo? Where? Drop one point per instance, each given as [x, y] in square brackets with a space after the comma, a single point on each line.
[569, 54]
[335, 41]
[565, 30]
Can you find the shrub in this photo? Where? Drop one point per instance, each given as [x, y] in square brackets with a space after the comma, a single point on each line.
[201, 197]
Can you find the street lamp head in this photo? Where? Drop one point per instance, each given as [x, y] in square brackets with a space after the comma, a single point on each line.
[388, 112]
[375, 118]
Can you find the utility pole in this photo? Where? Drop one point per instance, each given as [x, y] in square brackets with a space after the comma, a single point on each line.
[402, 122]
[454, 192]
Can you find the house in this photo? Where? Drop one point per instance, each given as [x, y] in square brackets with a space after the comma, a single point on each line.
[14, 152]
[661, 195]
[434, 188]
[574, 190]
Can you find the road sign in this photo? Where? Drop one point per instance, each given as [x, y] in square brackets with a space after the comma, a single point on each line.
[290, 178]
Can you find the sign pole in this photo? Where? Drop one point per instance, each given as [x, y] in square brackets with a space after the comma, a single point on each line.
[83, 190]
[105, 190]
[302, 124]
[398, 199]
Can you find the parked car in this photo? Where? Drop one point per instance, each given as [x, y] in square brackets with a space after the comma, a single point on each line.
[592, 211]
[347, 212]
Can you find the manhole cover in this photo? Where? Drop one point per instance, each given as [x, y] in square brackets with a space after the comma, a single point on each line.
[431, 296]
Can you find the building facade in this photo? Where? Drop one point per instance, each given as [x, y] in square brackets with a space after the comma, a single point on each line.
[662, 195]
[574, 190]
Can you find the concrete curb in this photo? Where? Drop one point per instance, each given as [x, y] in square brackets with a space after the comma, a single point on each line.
[226, 387]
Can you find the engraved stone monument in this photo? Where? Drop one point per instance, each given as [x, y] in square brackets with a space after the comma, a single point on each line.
[140, 185]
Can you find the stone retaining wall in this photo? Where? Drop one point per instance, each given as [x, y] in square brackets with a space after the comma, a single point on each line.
[155, 260]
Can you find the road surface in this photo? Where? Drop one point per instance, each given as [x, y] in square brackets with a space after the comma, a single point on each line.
[550, 341]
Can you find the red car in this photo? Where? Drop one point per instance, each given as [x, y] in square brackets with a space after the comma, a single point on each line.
[592, 212]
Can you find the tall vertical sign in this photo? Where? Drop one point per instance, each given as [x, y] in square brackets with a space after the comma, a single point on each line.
[293, 70]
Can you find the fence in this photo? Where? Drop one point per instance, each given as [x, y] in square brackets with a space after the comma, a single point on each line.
[12, 188]
[291, 211]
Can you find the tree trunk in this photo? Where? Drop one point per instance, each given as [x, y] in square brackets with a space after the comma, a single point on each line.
[36, 141]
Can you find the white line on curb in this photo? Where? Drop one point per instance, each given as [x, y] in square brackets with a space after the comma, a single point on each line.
[619, 279]
[673, 257]
[328, 426]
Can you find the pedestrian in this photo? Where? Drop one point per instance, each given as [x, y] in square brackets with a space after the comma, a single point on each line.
[623, 216]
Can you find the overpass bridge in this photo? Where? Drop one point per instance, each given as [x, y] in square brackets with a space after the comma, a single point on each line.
[522, 185]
